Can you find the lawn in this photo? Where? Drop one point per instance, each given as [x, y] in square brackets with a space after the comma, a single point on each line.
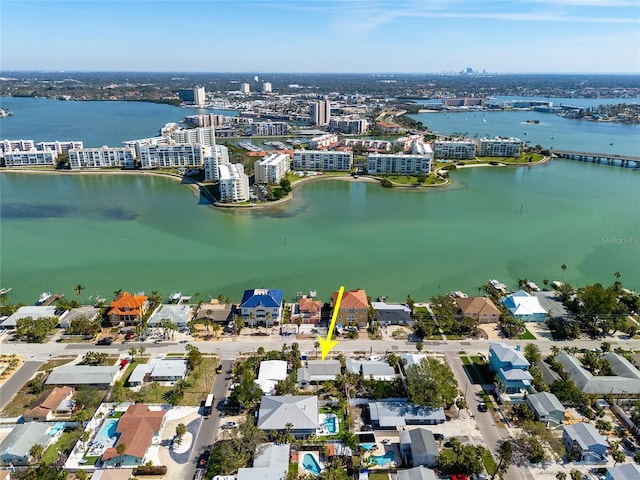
[378, 476]
[527, 335]
[53, 363]
[65, 444]
[489, 462]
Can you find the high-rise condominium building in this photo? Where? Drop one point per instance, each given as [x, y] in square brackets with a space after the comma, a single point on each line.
[233, 183]
[324, 160]
[320, 112]
[272, 168]
[266, 87]
[199, 96]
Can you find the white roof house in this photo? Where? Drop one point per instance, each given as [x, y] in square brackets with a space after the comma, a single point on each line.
[34, 311]
[319, 371]
[83, 375]
[371, 368]
[626, 380]
[14, 449]
[167, 369]
[271, 462]
[176, 314]
[270, 373]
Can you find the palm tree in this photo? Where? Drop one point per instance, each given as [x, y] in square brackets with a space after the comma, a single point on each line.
[78, 289]
[216, 329]
[36, 451]
[141, 350]
[252, 319]
[86, 435]
[617, 275]
[154, 386]
[181, 429]
[298, 322]
[133, 351]
[563, 267]
[316, 344]
[120, 449]
[267, 320]
[116, 293]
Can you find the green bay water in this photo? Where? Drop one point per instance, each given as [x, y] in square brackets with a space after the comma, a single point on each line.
[134, 232]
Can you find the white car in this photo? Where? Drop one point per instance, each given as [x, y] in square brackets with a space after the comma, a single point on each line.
[230, 425]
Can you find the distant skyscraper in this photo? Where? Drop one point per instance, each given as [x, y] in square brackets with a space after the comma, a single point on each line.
[266, 87]
[320, 112]
[245, 88]
[199, 96]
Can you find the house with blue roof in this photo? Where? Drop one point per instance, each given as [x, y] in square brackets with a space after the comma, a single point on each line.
[262, 306]
[525, 307]
[511, 368]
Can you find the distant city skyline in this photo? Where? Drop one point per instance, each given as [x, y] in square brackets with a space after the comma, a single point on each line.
[334, 36]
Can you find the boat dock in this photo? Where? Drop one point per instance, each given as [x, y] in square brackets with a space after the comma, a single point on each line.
[52, 299]
[625, 161]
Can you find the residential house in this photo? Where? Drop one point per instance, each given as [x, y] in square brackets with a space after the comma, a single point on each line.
[89, 313]
[307, 309]
[417, 473]
[625, 381]
[511, 367]
[36, 312]
[177, 315]
[525, 307]
[83, 375]
[49, 404]
[390, 414]
[392, 314]
[354, 307]
[128, 309]
[318, 371]
[419, 446]
[412, 358]
[297, 413]
[584, 437]
[136, 429]
[270, 462]
[627, 471]
[14, 448]
[478, 308]
[375, 369]
[5, 475]
[270, 373]
[113, 474]
[546, 407]
[261, 306]
[221, 313]
[167, 369]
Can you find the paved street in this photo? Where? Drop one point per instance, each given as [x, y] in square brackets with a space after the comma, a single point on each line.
[17, 380]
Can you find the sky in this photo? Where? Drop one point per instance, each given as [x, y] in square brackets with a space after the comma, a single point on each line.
[309, 36]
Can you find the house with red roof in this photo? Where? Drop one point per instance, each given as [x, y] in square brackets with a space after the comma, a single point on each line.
[136, 429]
[49, 404]
[354, 307]
[308, 309]
[128, 309]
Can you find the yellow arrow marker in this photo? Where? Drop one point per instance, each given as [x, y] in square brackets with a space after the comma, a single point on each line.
[326, 344]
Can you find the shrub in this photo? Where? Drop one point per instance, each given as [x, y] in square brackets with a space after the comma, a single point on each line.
[150, 470]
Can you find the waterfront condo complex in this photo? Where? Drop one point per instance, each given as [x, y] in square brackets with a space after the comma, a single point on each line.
[325, 160]
[272, 168]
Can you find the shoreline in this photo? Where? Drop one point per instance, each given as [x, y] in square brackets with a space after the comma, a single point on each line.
[196, 187]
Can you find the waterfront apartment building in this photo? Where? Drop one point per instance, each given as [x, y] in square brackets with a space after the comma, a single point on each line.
[102, 157]
[210, 120]
[201, 135]
[7, 146]
[399, 164]
[455, 150]
[30, 159]
[272, 168]
[214, 157]
[233, 183]
[378, 145]
[349, 125]
[320, 112]
[323, 160]
[59, 147]
[323, 141]
[270, 129]
[499, 147]
[167, 156]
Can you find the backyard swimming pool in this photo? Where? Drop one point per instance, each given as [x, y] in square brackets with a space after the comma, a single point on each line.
[382, 460]
[331, 423]
[108, 431]
[310, 464]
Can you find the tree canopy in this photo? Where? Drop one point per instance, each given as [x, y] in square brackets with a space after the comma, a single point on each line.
[431, 383]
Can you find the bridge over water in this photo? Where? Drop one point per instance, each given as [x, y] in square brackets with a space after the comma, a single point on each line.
[626, 161]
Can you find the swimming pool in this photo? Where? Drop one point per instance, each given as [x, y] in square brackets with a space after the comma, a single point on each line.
[108, 431]
[310, 464]
[56, 428]
[367, 446]
[381, 460]
[331, 423]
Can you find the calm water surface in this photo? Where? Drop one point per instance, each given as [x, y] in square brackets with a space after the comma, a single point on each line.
[151, 233]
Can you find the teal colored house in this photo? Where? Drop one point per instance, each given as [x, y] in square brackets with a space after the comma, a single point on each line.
[525, 307]
[511, 368]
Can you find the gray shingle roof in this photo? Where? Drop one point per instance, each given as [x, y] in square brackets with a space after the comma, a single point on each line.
[628, 471]
[177, 314]
[23, 437]
[82, 375]
[277, 411]
[508, 354]
[544, 403]
[397, 413]
[585, 435]
[417, 473]
[422, 442]
[370, 367]
[627, 379]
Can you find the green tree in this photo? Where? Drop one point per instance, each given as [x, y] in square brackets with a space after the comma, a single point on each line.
[78, 289]
[505, 456]
[618, 456]
[532, 353]
[431, 383]
[121, 448]
[561, 476]
[563, 267]
[36, 451]
[181, 429]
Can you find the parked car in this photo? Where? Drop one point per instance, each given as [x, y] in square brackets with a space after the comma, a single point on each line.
[629, 444]
[438, 436]
[219, 369]
[204, 458]
[105, 341]
[230, 425]
[482, 407]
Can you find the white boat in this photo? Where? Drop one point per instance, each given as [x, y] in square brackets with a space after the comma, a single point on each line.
[4, 291]
[44, 297]
[498, 286]
[175, 297]
[459, 294]
[533, 286]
